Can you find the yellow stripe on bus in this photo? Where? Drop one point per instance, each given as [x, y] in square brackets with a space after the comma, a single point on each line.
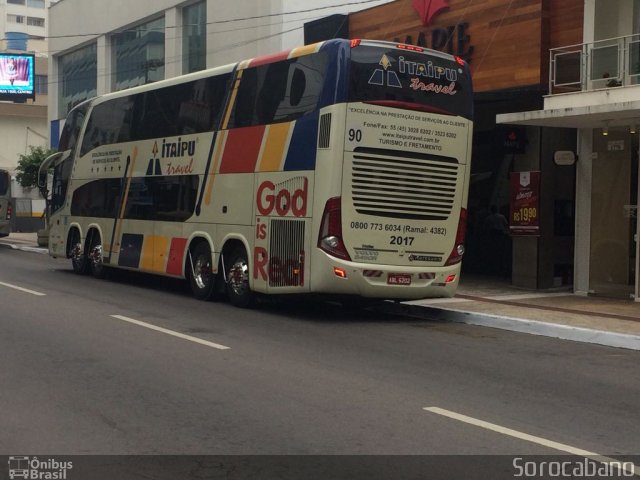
[273, 151]
[232, 100]
[154, 253]
[134, 154]
[306, 50]
[222, 138]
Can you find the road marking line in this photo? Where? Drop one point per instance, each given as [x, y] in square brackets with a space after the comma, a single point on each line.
[26, 290]
[530, 438]
[171, 332]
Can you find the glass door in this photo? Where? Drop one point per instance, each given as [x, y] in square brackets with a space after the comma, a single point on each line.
[614, 199]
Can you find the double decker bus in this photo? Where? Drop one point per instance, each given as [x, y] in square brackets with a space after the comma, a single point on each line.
[338, 168]
[5, 203]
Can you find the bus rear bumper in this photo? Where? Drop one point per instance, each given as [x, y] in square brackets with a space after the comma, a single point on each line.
[335, 276]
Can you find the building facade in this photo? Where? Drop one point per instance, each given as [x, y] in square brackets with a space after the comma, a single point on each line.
[594, 88]
[120, 44]
[24, 29]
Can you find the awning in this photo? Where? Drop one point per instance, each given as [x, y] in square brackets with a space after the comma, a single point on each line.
[617, 107]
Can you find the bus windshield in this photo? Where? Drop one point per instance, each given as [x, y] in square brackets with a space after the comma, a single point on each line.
[4, 183]
[410, 79]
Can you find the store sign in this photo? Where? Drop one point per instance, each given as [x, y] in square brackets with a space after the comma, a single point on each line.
[427, 9]
[615, 145]
[452, 39]
[514, 140]
[524, 205]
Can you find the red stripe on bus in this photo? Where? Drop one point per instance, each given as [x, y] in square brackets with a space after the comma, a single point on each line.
[242, 149]
[274, 57]
[176, 254]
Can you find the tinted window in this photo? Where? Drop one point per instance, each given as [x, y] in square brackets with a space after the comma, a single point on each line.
[97, 199]
[192, 107]
[175, 197]
[5, 181]
[110, 122]
[390, 74]
[170, 198]
[72, 128]
[280, 91]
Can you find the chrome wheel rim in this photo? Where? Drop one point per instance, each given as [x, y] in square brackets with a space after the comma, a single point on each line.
[239, 277]
[202, 272]
[77, 253]
[96, 257]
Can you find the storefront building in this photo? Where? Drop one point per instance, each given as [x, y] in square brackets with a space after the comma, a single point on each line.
[594, 87]
[507, 44]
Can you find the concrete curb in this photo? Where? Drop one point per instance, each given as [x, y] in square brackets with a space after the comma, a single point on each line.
[532, 327]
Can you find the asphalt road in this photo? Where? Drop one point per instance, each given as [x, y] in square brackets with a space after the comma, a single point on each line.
[133, 365]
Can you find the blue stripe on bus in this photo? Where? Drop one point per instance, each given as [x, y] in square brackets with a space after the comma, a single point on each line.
[336, 76]
[302, 149]
[130, 249]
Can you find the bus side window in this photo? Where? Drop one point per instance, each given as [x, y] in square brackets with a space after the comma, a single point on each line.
[298, 84]
[303, 84]
[244, 108]
[272, 91]
[110, 122]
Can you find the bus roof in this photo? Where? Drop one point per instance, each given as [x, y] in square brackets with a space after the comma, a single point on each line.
[257, 61]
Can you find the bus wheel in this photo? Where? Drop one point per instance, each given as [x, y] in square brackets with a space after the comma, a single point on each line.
[240, 295]
[95, 257]
[79, 260]
[200, 272]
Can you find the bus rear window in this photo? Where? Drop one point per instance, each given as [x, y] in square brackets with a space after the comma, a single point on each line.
[5, 181]
[397, 77]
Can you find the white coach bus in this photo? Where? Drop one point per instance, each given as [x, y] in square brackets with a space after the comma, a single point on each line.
[338, 168]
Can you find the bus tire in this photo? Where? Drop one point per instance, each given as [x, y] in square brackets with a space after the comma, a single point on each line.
[95, 256]
[79, 260]
[201, 276]
[238, 291]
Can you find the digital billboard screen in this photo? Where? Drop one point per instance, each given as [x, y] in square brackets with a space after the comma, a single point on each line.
[17, 76]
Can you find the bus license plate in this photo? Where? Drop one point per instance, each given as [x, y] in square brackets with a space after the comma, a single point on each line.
[398, 279]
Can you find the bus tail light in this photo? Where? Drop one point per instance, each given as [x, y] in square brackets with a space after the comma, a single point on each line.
[413, 48]
[9, 211]
[458, 246]
[330, 236]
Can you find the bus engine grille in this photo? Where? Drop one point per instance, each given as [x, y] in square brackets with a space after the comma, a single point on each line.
[286, 253]
[398, 184]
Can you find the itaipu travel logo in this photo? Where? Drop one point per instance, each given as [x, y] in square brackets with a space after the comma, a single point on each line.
[427, 9]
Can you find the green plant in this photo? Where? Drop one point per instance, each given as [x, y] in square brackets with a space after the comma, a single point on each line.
[28, 165]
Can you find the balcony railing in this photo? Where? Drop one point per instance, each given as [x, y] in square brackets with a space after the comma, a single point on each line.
[614, 62]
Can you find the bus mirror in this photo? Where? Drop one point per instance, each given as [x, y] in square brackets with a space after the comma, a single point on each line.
[46, 164]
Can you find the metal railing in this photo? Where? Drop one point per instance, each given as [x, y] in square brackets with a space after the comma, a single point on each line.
[614, 62]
